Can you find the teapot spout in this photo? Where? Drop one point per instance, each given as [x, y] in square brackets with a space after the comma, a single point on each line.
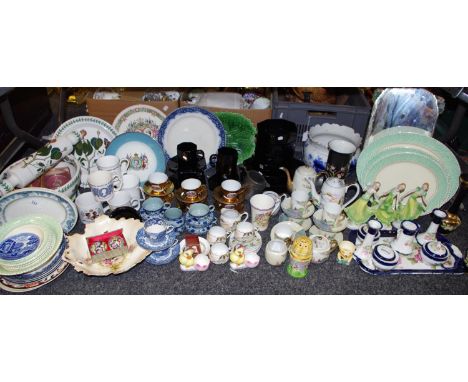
[289, 180]
[314, 195]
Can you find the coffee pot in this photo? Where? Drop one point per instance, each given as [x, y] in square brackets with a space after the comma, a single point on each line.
[333, 191]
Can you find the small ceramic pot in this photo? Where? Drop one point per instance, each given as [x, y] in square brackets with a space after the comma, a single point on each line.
[101, 185]
[245, 232]
[276, 252]
[219, 253]
[157, 230]
[88, 207]
[261, 209]
[216, 235]
[434, 253]
[322, 247]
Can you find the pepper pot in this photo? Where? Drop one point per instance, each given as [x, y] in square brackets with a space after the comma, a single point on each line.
[430, 234]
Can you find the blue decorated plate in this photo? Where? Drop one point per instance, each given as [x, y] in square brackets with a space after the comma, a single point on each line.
[164, 257]
[143, 153]
[192, 124]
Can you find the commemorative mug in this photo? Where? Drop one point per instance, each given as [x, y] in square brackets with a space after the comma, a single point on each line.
[262, 207]
[122, 199]
[131, 184]
[117, 167]
[88, 207]
[101, 185]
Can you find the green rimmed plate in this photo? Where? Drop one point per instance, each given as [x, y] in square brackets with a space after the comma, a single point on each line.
[240, 134]
[28, 242]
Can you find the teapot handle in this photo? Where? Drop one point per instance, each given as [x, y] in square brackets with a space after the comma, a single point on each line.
[356, 195]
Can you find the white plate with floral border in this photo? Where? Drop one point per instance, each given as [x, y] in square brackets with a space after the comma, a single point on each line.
[139, 119]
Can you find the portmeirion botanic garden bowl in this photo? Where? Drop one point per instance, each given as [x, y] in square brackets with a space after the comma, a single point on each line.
[77, 252]
[318, 137]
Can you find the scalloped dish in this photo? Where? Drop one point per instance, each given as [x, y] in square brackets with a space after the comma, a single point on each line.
[77, 253]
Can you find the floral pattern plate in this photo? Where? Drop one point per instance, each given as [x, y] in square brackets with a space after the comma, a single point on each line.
[36, 200]
[143, 153]
[192, 124]
[96, 134]
[139, 119]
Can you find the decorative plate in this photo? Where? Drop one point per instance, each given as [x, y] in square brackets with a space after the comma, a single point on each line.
[405, 154]
[192, 124]
[96, 134]
[77, 253]
[164, 257]
[240, 134]
[37, 200]
[139, 119]
[27, 243]
[144, 154]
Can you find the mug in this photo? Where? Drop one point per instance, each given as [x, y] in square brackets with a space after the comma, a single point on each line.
[245, 232]
[122, 199]
[117, 167]
[276, 252]
[322, 247]
[219, 253]
[300, 200]
[261, 209]
[101, 185]
[154, 206]
[131, 184]
[339, 157]
[229, 218]
[216, 234]
[174, 217]
[88, 207]
[156, 230]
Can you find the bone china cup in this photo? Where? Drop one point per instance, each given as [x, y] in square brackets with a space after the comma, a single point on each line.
[262, 207]
[88, 207]
[156, 229]
[117, 167]
[245, 232]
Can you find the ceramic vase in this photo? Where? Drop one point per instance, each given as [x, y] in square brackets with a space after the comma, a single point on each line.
[364, 251]
[404, 242]
[430, 234]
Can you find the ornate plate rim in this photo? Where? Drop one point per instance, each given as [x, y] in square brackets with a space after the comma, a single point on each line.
[132, 108]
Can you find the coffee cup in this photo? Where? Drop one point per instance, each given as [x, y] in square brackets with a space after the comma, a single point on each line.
[231, 189]
[321, 248]
[117, 167]
[174, 217]
[300, 199]
[88, 207]
[131, 184]
[122, 199]
[216, 234]
[219, 253]
[332, 213]
[245, 232]
[230, 217]
[261, 209]
[157, 230]
[191, 188]
[101, 185]
[276, 252]
[155, 206]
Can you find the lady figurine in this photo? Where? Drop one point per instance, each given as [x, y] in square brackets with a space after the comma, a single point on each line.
[413, 207]
[387, 210]
[363, 208]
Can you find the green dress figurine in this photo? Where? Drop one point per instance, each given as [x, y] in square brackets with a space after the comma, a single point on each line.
[387, 210]
[362, 209]
[413, 209]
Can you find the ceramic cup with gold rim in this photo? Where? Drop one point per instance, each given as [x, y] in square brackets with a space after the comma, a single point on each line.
[232, 191]
[158, 184]
[192, 189]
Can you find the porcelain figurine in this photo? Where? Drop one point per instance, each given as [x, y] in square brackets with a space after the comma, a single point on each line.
[241, 258]
[415, 205]
[187, 260]
[404, 243]
[345, 252]
[453, 221]
[364, 251]
[430, 234]
[362, 209]
[333, 191]
[36, 164]
[388, 204]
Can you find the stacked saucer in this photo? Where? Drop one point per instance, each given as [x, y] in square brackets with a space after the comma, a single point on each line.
[163, 251]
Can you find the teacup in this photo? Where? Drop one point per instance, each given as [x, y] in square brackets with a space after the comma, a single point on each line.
[122, 199]
[101, 185]
[191, 188]
[284, 233]
[174, 217]
[262, 208]
[216, 234]
[230, 217]
[219, 253]
[245, 232]
[154, 206]
[131, 184]
[231, 190]
[322, 247]
[276, 252]
[156, 230]
[117, 167]
[332, 213]
[158, 182]
[88, 207]
[300, 200]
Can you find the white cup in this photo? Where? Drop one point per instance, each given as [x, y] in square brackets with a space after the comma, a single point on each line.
[284, 232]
[158, 178]
[230, 217]
[131, 184]
[276, 252]
[300, 199]
[216, 234]
[245, 232]
[117, 167]
[219, 253]
[262, 207]
[88, 207]
[332, 213]
[122, 199]
[101, 185]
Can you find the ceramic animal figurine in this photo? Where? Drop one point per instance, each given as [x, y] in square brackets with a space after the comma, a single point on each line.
[362, 209]
[241, 258]
[187, 260]
[388, 204]
[333, 191]
[415, 205]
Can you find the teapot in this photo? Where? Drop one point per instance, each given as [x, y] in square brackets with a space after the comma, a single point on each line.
[303, 177]
[333, 191]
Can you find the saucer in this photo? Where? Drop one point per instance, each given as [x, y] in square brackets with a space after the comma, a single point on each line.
[317, 218]
[253, 245]
[296, 228]
[338, 236]
[200, 199]
[305, 223]
[164, 257]
[144, 242]
[296, 214]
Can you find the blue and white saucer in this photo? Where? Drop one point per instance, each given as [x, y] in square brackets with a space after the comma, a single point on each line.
[144, 241]
[164, 257]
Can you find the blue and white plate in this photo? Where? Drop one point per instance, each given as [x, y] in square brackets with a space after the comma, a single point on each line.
[143, 153]
[38, 200]
[144, 242]
[192, 124]
[164, 257]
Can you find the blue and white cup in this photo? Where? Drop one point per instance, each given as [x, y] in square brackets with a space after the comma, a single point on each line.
[175, 217]
[201, 213]
[155, 207]
[157, 230]
[101, 185]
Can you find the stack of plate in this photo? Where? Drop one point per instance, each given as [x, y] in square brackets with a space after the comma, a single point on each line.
[31, 248]
[406, 155]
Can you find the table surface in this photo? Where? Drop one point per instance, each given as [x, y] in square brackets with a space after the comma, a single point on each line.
[326, 278]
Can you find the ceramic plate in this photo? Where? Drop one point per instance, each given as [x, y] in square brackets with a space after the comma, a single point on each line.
[144, 154]
[240, 134]
[304, 223]
[192, 124]
[296, 228]
[41, 201]
[338, 236]
[96, 135]
[139, 119]
[255, 245]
